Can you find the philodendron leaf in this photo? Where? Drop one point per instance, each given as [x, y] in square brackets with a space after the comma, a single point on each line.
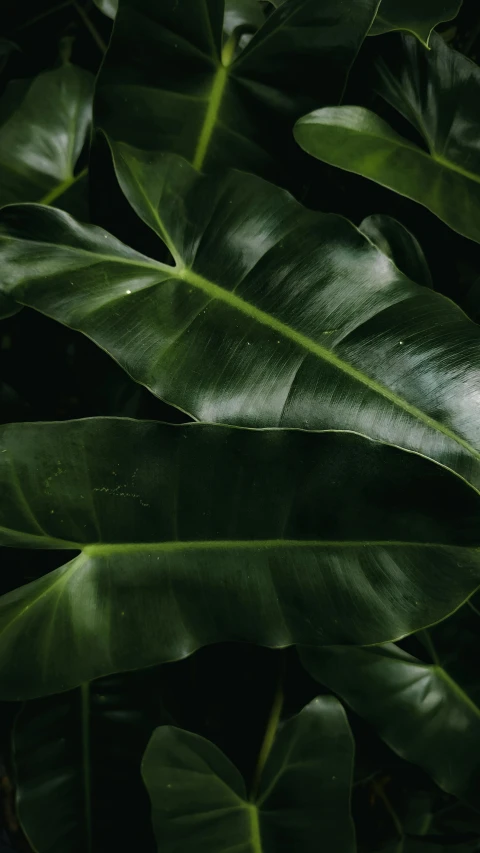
[43, 127]
[415, 16]
[77, 762]
[198, 534]
[170, 76]
[273, 315]
[417, 708]
[200, 802]
[395, 241]
[438, 91]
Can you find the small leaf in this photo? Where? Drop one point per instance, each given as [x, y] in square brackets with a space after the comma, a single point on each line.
[419, 17]
[397, 243]
[200, 803]
[417, 708]
[43, 128]
[438, 91]
[198, 534]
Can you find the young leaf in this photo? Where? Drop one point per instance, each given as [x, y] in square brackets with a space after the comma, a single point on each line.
[198, 534]
[169, 77]
[273, 315]
[200, 802]
[418, 17]
[397, 243]
[438, 91]
[422, 713]
[77, 765]
[43, 127]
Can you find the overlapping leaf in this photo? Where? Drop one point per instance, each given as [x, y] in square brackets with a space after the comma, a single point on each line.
[43, 127]
[395, 241]
[197, 534]
[200, 802]
[420, 711]
[438, 92]
[273, 315]
[416, 16]
[170, 77]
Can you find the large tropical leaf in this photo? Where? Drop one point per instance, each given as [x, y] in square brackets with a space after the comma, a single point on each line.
[417, 708]
[416, 16]
[200, 801]
[195, 534]
[43, 127]
[77, 766]
[170, 77]
[273, 315]
[438, 91]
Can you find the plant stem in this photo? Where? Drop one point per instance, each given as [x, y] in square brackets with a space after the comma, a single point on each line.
[378, 788]
[45, 14]
[269, 737]
[63, 187]
[90, 27]
[472, 607]
[85, 723]
[431, 648]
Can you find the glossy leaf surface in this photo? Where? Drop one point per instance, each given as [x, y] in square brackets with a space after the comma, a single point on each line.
[77, 765]
[273, 315]
[200, 801]
[43, 128]
[438, 91]
[170, 81]
[108, 7]
[416, 16]
[417, 708]
[198, 534]
[397, 243]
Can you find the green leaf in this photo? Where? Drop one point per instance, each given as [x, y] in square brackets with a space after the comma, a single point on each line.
[77, 765]
[198, 534]
[397, 243]
[43, 128]
[417, 708]
[168, 76]
[438, 91]
[200, 801]
[418, 17]
[274, 315]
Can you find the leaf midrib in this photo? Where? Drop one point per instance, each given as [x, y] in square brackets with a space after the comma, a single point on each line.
[110, 548]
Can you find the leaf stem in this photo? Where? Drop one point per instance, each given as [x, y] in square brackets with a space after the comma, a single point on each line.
[269, 737]
[45, 14]
[85, 726]
[379, 790]
[430, 647]
[472, 607]
[61, 188]
[90, 27]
